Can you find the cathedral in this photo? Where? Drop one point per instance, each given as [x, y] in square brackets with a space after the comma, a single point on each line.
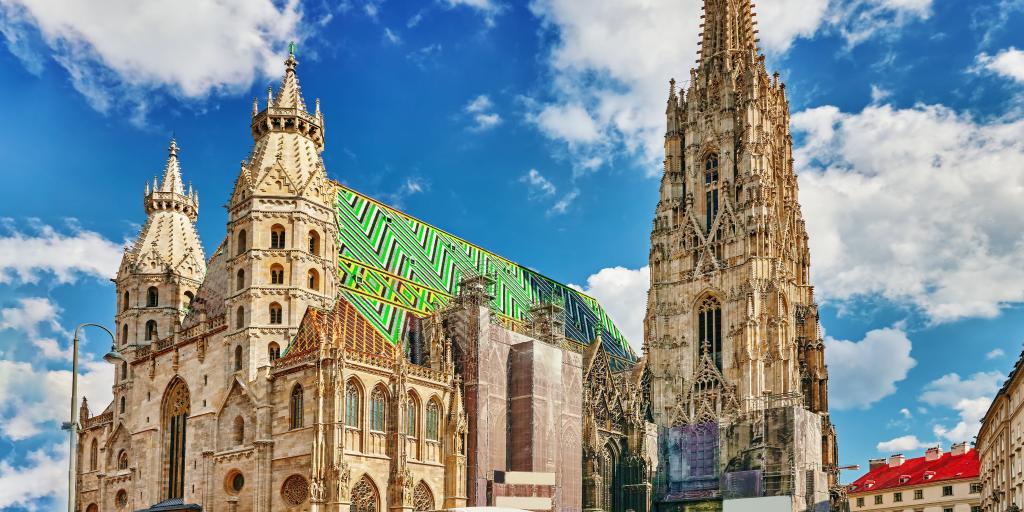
[336, 354]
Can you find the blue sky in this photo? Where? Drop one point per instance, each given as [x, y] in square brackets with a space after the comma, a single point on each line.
[532, 129]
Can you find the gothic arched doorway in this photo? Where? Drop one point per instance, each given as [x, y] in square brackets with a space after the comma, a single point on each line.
[175, 412]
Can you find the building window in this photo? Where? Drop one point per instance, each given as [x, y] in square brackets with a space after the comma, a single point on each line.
[189, 299]
[411, 409]
[947, 509]
[238, 358]
[151, 333]
[124, 370]
[378, 406]
[352, 405]
[239, 317]
[121, 499]
[710, 190]
[176, 409]
[422, 498]
[122, 460]
[976, 488]
[240, 279]
[235, 482]
[860, 502]
[239, 430]
[240, 248]
[433, 417]
[364, 497]
[296, 407]
[947, 490]
[313, 280]
[276, 274]
[277, 237]
[878, 499]
[125, 302]
[709, 330]
[314, 243]
[124, 333]
[897, 497]
[919, 494]
[275, 313]
[975, 508]
[152, 297]
[274, 351]
[94, 455]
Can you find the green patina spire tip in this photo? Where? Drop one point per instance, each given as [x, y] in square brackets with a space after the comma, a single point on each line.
[291, 48]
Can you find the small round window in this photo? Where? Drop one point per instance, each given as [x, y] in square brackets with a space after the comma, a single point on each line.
[121, 499]
[237, 482]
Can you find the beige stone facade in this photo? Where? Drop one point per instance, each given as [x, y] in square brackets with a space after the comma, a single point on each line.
[1000, 445]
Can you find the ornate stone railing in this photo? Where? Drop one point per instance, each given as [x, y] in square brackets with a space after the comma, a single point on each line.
[106, 417]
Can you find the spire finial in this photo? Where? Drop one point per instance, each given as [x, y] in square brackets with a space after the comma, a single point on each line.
[290, 62]
[172, 150]
[672, 87]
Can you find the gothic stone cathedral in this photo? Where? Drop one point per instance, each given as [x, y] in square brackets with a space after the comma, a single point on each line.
[336, 354]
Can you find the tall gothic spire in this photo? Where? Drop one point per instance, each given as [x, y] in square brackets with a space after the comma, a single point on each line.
[290, 95]
[728, 25]
[287, 111]
[172, 171]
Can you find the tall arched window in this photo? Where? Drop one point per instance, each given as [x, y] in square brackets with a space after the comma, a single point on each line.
[239, 317]
[176, 409]
[609, 477]
[94, 455]
[124, 333]
[378, 408]
[151, 333]
[295, 406]
[275, 313]
[276, 274]
[711, 189]
[152, 297]
[433, 420]
[709, 329]
[352, 404]
[240, 246]
[365, 497]
[412, 407]
[314, 243]
[125, 304]
[189, 299]
[122, 460]
[277, 236]
[240, 279]
[124, 370]
[273, 351]
[422, 498]
[122, 405]
[313, 279]
[238, 431]
[238, 358]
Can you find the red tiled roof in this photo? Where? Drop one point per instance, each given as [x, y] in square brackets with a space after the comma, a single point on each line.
[913, 472]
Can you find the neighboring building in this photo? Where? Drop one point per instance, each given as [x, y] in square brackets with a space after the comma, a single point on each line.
[937, 482]
[1000, 445]
[336, 354]
[739, 387]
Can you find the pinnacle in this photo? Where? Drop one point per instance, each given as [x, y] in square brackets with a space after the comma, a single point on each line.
[172, 172]
[290, 95]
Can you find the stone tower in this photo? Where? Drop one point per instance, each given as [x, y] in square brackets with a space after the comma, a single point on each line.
[732, 331]
[161, 270]
[282, 234]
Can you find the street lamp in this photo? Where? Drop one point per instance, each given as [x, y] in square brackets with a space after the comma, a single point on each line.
[72, 426]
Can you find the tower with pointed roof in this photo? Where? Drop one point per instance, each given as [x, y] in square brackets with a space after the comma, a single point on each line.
[281, 228]
[731, 331]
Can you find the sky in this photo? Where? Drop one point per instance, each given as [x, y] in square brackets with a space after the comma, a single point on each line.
[532, 128]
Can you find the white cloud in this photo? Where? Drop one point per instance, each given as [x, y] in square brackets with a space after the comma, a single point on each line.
[24, 256]
[392, 37]
[539, 185]
[411, 185]
[906, 413]
[866, 371]
[190, 48]
[36, 397]
[562, 205]
[970, 398]
[28, 317]
[480, 109]
[995, 354]
[860, 20]
[488, 8]
[44, 475]
[938, 186]
[902, 444]
[570, 123]
[623, 294]
[1008, 63]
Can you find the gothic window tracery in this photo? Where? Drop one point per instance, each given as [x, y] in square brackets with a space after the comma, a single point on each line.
[122, 460]
[709, 330]
[295, 404]
[364, 497]
[94, 454]
[422, 498]
[295, 490]
[411, 415]
[378, 408]
[433, 420]
[352, 402]
[710, 189]
[176, 410]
